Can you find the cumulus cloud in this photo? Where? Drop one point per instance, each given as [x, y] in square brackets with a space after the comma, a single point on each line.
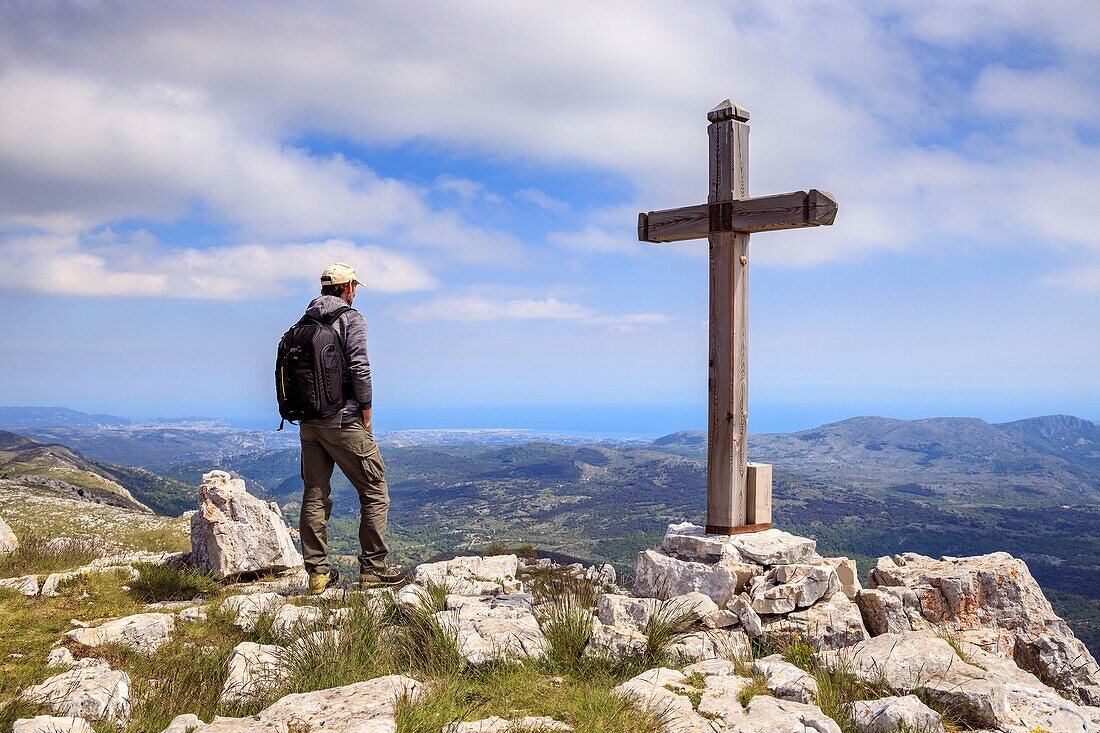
[139, 266]
[478, 309]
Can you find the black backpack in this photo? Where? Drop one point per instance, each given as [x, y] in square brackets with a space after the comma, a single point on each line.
[310, 374]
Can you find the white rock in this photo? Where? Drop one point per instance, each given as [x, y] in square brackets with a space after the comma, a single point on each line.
[785, 679]
[291, 620]
[51, 724]
[95, 692]
[52, 581]
[658, 575]
[626, 612]
[602, 574]
[691, 607]
[254, 669]
[472, 575]
[882, 612]
[848, 573]
[184, 723]
[9, 543]
[412, 596]
[649, 691]
[711, 644]
[888, 714]
[193, 614]
[614, 642]
[25, 584]
[832, 623]
[249, 608]
[496, 724]
[721, 619]
[142, 632]
[493, 631]
[741, 605]
[720, 697]
[765, 714]
[770, 547]
[787, 587]
[60, 657]
[234, 532]
[363, 707]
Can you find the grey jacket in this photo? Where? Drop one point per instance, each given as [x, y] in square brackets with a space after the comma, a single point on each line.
[352, 328]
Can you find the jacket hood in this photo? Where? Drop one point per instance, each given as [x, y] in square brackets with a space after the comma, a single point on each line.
[324, 305]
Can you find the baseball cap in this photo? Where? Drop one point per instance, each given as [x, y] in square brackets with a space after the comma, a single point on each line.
[338, 273]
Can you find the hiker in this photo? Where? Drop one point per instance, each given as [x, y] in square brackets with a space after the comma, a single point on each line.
[323, 382]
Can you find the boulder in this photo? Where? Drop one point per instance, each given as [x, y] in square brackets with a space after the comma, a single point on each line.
[491, 630]
[193, 613]
[142, 632]
[93, 691]
[689, 607]
[721, 619]
[890, 714]
[615, 642]
[60, 657]
[9, 543]
[254, 669]
[295, 620]
[750, 620]
[711, 644]
[494, 724]
[248, 609]
[848, 573]
[659, 575]
[604, 575]
[25, 584]
[832, 623]
[472, 576]
[882, 612]
[234, 533]
[997, 591]
[363, 707]
[720, 698]
[51, 724]
[785, 679]
[787, 587]
[626, 612]
[770, 547]
[649, 691]
[184, 724]
[765, 714]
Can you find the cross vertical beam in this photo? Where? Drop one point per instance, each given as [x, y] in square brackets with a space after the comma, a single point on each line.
[728, 406]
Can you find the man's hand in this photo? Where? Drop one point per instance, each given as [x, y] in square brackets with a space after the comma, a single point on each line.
[366, 417]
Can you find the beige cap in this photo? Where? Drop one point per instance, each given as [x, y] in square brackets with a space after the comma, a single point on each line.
[338, 273]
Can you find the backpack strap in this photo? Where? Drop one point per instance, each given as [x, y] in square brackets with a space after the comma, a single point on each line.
[330, 318]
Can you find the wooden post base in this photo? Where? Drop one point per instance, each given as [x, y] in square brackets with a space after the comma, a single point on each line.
[743, 529]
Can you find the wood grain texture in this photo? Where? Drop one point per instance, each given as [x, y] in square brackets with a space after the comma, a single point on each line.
[739, 529]
[761, 214]
[758, 493]
[727, 412]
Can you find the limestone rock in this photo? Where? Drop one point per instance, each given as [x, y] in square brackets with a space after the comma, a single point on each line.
[51, 724]
[254, 669]
[296, 619]
[649, 691]
[711, 644]
[184, 723]
[472, 576]
[690, 607]
[60, 657]
[604, 575]
[25, 584]
[249, 608]
[615, 642]
[234, 532]
[832, 623]
[720, 697]
[363, 707]
[9, 543]
[494, 631]
[889, 714]
[658, 575]
[142, 632]
[626, 612]
[765, 714]
[494, 724]
[193, 613]
[848, 573]
[785, 679]
[750, 620]
[770, 547]
[94, 691]
[997, 591]
[787, 587]
[882, 612]
[721, 619]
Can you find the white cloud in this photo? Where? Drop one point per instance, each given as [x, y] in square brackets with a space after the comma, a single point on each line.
[477, 308]
[1082, 279]
[596, 240]
[141, 267]
[542, 200]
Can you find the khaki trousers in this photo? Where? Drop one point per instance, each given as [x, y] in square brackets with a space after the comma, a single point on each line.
[353, 449]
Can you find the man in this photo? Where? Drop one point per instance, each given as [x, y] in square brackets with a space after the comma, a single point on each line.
[344, 440]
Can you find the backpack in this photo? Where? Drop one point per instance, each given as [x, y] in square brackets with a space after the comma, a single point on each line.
[310, 373]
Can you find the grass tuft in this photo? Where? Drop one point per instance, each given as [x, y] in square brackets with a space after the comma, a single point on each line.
[167, 583]
[41, 555]
[668, 624]
[566, 618]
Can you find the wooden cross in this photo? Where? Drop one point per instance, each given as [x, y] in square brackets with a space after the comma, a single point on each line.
[738, 492]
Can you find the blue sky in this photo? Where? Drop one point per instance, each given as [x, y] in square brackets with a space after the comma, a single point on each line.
[174, 176]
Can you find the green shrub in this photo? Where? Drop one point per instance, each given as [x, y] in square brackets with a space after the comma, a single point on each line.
[565, 616]
[800, 654]
[167, 583]
[666, 626]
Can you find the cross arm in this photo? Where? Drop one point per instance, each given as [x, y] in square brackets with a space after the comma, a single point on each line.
[762, 214]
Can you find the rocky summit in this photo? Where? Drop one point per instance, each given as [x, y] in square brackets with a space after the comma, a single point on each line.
[744, 633]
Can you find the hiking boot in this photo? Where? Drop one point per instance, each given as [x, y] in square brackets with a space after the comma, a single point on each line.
[318, 582]
[388, 575]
